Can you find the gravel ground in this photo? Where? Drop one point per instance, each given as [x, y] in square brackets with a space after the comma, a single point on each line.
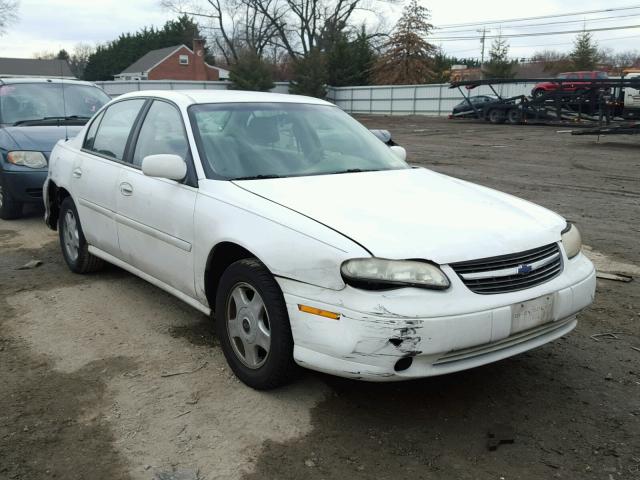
[87, 364]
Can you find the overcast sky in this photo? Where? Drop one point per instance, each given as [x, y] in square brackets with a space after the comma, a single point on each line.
[49, 25]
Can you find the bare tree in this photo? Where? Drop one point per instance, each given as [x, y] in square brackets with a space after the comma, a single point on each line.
[80, 58]
[236, 25]
[295, 26]
[8, 13]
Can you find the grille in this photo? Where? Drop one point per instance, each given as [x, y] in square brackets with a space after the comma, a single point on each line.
[510, 273]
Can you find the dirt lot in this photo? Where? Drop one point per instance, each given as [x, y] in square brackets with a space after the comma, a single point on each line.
[87, 364]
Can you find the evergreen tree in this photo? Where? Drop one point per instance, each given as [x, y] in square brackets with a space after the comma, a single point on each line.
[63, 55]
[310, 75]
[251, 72]
[499, 65]
[349, 61]
[585, 52]
[408, 58]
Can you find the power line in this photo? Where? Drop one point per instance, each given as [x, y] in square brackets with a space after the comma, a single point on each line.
[586, 20]
[524, 19]
[600, 40]
[537, 34]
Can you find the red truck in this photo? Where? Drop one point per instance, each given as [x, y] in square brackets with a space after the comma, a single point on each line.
[571, 82]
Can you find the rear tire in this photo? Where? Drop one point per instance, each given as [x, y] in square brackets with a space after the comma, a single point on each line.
[75, 248]
[252, 325]
[496, 116]
[514, 116]
[10, 208]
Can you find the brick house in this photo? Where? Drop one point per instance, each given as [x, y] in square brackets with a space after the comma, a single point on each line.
[173, 63]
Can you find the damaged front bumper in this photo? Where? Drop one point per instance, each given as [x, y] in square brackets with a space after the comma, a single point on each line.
[412, 333]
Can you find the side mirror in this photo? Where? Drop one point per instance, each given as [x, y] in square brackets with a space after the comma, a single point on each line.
[168, 166]
[399, 152]
[384, 136]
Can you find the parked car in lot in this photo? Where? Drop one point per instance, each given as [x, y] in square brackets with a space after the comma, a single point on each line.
[473, 104]
[571, 82]
[314, 243]
[34, 114]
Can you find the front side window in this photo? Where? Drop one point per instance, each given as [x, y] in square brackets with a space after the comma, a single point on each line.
[114, 129]
[248, 140]
[41, 102]
[161, 132]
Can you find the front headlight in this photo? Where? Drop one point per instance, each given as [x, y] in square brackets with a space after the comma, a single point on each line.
[571, 240]
[27, 159]
[379, 273]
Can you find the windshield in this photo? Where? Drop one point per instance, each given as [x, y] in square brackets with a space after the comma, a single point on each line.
[258, 140]
[22, 102]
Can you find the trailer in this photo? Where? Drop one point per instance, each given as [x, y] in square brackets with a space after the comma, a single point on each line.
[585, 101]
[623, 129]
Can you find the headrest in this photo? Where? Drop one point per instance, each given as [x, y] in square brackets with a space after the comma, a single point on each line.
[263, 130]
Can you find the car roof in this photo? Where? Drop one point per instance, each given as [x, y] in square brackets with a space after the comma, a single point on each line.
[66, 81]
[191, 97]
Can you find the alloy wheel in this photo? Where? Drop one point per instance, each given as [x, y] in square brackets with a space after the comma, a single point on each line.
[248, 326]
[71, 235]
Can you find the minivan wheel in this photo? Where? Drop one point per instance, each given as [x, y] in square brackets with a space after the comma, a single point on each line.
[75, 249]
[253, 326]
[9, 207]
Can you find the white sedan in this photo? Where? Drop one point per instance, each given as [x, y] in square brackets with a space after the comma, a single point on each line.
[314, 243]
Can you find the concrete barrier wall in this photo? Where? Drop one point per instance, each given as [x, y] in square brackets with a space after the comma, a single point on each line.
[116, 88]
[436, 100]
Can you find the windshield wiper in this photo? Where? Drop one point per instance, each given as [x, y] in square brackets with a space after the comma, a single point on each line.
[49, 119]
[257, 177]
[355, 170]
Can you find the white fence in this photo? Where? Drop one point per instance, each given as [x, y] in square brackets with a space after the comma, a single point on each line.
[433, 100]
[116, 88]
[436, 100]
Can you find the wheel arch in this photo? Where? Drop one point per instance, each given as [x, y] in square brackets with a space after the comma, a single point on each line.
[220, 257]
[55, 196]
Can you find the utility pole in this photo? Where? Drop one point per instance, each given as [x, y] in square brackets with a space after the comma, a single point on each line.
[482, 39]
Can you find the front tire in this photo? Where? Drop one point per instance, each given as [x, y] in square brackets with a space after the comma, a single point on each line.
[253, 326]
[75, 249]
[10, 208]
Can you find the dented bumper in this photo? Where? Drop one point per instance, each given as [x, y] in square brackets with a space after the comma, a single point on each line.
[439, 331]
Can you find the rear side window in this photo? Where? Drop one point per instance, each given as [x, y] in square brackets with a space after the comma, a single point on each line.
[114, 129]
[91, 133]
[162, 132]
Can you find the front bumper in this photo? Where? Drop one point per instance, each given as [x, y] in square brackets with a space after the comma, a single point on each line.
[25, 186]
[441, 331]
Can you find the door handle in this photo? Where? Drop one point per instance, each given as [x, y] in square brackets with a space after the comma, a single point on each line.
[126, 189]
[77, 173]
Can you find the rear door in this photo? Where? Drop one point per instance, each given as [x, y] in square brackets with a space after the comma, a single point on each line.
[96, 171]
[155, 215]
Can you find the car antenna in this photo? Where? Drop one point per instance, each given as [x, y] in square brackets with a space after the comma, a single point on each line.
[64, 105]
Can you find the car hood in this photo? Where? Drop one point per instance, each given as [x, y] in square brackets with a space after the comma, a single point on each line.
[416, 213]
[41, 138]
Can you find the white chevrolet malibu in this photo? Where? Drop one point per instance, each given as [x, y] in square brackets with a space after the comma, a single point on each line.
[314, 243]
